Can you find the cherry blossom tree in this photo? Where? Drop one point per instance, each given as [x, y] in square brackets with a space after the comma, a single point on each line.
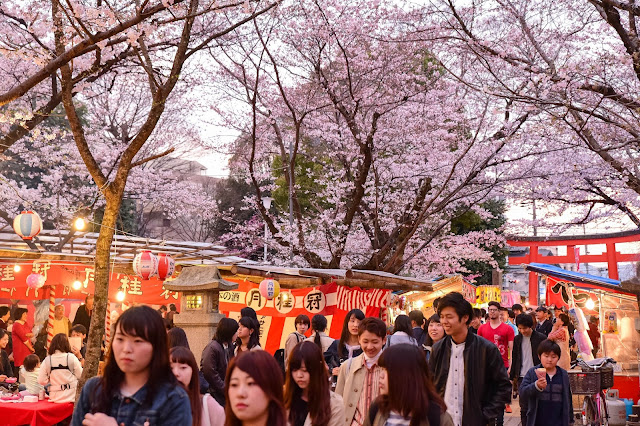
[574, 66]
[74, 53]
[400, 145]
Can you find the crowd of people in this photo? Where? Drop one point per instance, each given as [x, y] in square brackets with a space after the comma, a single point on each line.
[459, 367]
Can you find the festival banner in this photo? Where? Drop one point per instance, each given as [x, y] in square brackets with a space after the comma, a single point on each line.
[469, 292]
[558, 295]
[62, 275]
[277, 316]
[487, 293]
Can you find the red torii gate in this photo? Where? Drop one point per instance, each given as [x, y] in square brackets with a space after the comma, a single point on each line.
[610, 255]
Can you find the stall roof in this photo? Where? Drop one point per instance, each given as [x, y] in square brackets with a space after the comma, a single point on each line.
[577, 277]
[80, 246]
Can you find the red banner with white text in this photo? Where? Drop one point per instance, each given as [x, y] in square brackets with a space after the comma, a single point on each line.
[61, 276]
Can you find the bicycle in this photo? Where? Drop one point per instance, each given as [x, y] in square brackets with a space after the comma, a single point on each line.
[595, 378]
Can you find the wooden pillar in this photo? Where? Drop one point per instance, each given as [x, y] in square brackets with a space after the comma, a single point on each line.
[533, 277]
[612, 261]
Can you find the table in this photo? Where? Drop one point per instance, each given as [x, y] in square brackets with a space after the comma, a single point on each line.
[41, 413]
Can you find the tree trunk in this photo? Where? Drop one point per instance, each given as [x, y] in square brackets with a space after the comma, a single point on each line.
[101, 285]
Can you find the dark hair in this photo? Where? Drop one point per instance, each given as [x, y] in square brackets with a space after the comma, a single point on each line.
[459, 304]
[3, 332]
[182, 355]
[227, 327]
[428, 341]
[483, 311]
[477, 313]
[17, 314]
[318, 325]
[436, 302]
[163, 307]
[417, 317]
[318, 397]
[494, 303]
[30, 362]
[565, 319]
[344, 337]
[146, 323]
[254, 338]
[504, 309]
[172, 307]
[373, 325]
[265, 371]
[517, 306]
[4, 310]
[511, 314]
[303, 319]
[79, 328]
[403, 323]
[547, 346]
[177, 337]
[248, 312]
[411, 388]
[60, 342]
[524, 320]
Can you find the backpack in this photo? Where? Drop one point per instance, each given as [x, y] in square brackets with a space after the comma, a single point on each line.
[279, 356]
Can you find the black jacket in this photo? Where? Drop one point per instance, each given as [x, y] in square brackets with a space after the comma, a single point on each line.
[516, 356]
[214, 368]
[83, 317]
[486, 385]
[544, 328]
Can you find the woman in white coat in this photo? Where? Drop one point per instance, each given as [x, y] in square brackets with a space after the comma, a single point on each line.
[61, 369]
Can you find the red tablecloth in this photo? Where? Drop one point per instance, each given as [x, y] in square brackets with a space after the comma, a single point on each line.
[41, 413]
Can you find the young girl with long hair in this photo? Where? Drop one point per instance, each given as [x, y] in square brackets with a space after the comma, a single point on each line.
[348, 346]
[402, 332]
[248, 335]
[61, 370]
[307, 396]
[254, 391]
[204, 409]
[407, 392]
[137, 386]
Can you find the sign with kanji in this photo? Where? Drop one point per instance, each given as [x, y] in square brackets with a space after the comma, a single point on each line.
[62, 275]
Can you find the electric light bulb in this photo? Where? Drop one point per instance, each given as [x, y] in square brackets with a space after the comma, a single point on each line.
[419, 304]
[590, 304]
[79, 224]
[16, 268]
[120, 296]
[77, 285]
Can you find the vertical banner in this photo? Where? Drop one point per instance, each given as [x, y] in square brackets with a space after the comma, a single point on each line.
[558, 295]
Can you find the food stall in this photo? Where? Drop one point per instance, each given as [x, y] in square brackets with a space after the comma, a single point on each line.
[615, 306]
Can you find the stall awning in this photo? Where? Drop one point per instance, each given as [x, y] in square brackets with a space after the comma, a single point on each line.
[576, 277]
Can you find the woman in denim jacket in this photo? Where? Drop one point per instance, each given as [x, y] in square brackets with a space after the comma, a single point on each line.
[128, 394]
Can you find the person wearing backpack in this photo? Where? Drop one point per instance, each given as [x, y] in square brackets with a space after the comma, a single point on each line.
[61, 369]
[302, 324]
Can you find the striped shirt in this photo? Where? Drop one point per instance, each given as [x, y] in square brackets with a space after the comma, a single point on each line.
[396, 419]
[370, 391]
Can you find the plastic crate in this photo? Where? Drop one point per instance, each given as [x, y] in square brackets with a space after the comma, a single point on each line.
[584, 383]
[606, 376]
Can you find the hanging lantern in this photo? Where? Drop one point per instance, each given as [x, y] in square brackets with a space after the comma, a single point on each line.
[269, 288]
[145, 264]
[35, 281]
[166, 266]
[27, 224]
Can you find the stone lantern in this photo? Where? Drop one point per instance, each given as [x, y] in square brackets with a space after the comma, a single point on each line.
[200, 288]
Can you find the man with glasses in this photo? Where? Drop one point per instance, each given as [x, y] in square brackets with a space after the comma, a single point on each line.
[502, 336]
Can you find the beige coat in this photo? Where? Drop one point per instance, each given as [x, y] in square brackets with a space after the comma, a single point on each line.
[350, 384]
[337, 411]
[325, 340]
[381, 420]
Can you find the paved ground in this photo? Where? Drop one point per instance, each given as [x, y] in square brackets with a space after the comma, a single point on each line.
[513, 419]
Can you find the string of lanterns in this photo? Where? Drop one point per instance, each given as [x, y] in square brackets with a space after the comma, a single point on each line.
[147, 265]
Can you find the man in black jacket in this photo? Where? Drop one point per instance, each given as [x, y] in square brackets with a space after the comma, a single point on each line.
[524, 356]
[468, 371]
[83, 314]
[544, 324]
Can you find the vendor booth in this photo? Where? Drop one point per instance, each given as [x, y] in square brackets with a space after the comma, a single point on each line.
[616, 309]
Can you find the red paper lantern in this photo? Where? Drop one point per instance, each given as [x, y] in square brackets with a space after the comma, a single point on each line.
[145, 264]
[166, 266]
[27, 224]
